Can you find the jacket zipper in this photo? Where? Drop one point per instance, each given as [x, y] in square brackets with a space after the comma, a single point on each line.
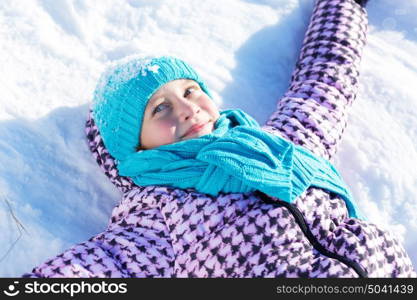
[299, 218]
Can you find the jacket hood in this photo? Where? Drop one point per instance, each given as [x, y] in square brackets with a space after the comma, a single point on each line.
[103, 158]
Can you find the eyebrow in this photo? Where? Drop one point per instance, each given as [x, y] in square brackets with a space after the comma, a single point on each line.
[155, 99]
[152, 102]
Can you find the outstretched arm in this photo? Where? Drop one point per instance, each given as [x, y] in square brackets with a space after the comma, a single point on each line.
[324, 84]
[135, 244]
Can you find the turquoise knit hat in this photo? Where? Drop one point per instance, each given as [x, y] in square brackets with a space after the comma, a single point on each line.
[123, 92]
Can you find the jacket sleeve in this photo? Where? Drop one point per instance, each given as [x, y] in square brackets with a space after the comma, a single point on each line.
[313, 112]
[135, 244]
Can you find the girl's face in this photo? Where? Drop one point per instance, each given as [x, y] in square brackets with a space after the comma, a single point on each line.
[178, 111]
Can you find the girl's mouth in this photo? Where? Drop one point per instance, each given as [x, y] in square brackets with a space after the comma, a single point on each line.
[195, 129]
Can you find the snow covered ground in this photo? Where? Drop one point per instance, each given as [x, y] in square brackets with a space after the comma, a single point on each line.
[53, 51]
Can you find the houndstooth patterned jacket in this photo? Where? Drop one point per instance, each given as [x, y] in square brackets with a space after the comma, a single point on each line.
[157, 231]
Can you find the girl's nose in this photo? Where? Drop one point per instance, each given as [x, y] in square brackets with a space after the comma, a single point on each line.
[187, 110]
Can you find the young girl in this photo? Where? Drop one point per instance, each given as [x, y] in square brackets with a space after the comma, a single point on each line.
[212, 194]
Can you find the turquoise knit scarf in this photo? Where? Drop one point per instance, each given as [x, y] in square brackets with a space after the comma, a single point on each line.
[237, 157]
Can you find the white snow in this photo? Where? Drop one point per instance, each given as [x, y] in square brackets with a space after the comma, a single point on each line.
[52, 53]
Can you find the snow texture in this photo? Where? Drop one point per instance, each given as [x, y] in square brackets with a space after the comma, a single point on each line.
[52, 53]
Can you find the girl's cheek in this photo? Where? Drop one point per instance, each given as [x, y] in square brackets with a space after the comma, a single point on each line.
[206, 104]
[166, 131]
[212, 108]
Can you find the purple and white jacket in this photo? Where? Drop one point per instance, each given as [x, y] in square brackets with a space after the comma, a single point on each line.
[158, 231]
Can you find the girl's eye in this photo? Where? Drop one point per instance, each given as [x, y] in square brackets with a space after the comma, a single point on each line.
[159, 108]
[189, 90]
